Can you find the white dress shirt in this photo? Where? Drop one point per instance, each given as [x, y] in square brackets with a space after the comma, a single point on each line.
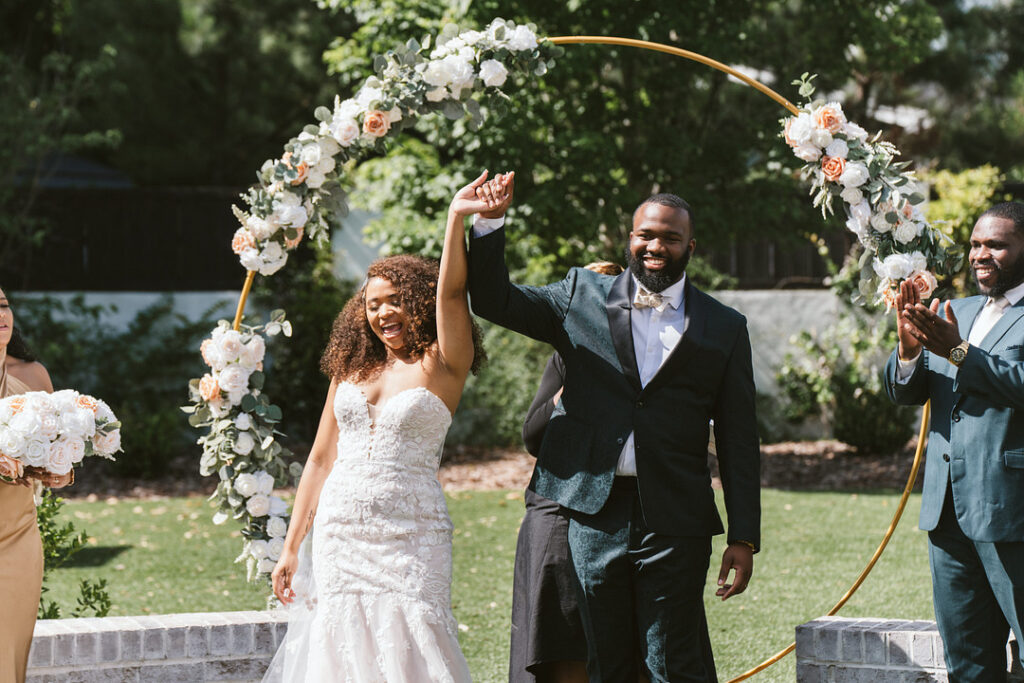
[655, 334]
[982, 325]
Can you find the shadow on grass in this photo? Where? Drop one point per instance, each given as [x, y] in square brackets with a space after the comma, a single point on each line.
[96, 556]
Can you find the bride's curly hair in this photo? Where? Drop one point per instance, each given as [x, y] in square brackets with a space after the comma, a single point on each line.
[355, 353]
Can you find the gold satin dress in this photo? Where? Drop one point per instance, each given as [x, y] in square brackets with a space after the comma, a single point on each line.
[21, 563]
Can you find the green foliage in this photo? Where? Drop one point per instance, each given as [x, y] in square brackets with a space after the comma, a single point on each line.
[137, 371]
[837, 375]
[45, 88]
[60, 543]
[313, 297]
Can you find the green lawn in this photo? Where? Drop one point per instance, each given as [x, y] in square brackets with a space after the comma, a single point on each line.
[166, 556]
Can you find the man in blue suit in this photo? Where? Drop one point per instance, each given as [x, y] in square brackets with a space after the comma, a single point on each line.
[968, 359]
[650, 360]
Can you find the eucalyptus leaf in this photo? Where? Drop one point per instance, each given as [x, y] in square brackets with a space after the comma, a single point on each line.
[453, 110]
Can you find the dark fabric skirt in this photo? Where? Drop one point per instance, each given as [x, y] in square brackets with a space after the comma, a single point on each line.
[546, 623]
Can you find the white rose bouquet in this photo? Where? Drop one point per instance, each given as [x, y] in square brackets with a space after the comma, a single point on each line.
[54, 432]
[241, 446]
[879, 196]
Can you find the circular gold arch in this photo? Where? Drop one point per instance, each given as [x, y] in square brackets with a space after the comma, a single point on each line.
[789, 106]
[923, 429]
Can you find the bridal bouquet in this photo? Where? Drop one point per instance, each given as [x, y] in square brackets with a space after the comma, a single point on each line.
[54, 432]
[880, 198]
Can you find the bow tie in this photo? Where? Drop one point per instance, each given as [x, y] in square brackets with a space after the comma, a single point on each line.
[645, 299]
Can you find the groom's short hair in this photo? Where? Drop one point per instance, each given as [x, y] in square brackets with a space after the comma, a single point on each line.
[670, 200]
[1011, 211]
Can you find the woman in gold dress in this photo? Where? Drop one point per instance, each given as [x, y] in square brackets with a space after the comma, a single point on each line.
[21, 552]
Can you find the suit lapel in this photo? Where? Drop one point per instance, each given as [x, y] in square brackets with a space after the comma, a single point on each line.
[619, 305]
[693, 334]
[1002, 326]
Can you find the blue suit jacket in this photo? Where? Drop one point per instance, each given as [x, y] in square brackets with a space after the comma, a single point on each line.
[976, 439]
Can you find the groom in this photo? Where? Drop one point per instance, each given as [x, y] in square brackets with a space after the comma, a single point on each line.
[650, 361]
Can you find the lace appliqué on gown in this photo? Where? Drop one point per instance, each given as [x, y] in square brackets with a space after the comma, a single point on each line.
[374, 577]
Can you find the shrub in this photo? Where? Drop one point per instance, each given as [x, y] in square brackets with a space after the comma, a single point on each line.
[837, 375]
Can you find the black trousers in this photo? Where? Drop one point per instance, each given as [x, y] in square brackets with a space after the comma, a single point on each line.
[642, 594]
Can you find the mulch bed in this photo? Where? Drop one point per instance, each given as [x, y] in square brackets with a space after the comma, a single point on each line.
[797, 465]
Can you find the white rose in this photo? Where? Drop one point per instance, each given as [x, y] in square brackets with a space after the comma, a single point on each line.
[36, 453]
[48, 427]
[879, 223]
[278, 507]
[854, 174]
[326, 165]
[244, 443]
[852, 130]
[437, 94]
[287, 214]
[258, 505]
[277, 527]
[264, 483]
[460, 72]
[851, 195]
[345, 130]
[328, 148]
[265, 566]
[838, 148]
[259, 228]
[807, 152]
[905, 232]
[854, 226]
[800, 129]
[60, 461]
[230, 345]
[26, 422]
[78, 424]
[861, 212]
[243, 422]
[347, 109]
[437, 73]
[233, 378]
[522, 39]
[12, 443]
[894, 267]
[493, 73]
[367, 96]
[310, 154]
[273, 257]
[258, 549]
[275, 546]
[253, 352]
[104, 443]
[103, 413]
[821, 137]
[471, 37]
[918, 261]
[246, 485]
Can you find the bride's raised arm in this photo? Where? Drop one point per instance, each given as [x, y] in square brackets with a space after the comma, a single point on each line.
[454, 325]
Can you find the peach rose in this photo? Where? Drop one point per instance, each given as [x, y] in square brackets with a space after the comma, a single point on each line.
[242, 240]
[829, 117]
[302, 168]
[208, 388]
[889, 296]
[87, 402]
[17, 404]
[291, 244]
[376, 124]
[924, 282]
[833, 167]
[10, 468]
[785, 133]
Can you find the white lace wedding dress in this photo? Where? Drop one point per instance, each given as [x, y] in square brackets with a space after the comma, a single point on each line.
[374, 576]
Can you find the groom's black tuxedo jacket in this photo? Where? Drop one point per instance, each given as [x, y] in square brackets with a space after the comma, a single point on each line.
[586, 317]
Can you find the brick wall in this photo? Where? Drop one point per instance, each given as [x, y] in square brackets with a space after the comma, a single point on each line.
[843, 650]
[214, 646]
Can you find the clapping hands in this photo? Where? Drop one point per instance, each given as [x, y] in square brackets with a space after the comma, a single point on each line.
[489, 198]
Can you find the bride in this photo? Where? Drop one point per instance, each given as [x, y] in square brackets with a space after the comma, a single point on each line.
[366, 570]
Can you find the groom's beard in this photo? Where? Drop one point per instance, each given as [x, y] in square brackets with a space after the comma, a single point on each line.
[658, 280]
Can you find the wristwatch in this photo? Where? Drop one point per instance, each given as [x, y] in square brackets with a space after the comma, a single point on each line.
[958, 353]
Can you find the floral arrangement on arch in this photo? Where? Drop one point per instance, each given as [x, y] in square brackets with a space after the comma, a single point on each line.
[302, 193]
[240, 446]
[879, 195]
[300, 196]
[54, 432]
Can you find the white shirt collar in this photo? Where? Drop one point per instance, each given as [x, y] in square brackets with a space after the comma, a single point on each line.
[673, 294]
[1015, 294]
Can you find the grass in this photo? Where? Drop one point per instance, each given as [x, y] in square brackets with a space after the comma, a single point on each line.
[166, 556]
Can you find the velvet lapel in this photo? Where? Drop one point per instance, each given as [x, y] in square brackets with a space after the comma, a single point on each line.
[693, 334]
[619, 305]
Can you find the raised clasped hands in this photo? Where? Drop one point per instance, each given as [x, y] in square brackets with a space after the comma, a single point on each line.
[489, 198]
[921, 326]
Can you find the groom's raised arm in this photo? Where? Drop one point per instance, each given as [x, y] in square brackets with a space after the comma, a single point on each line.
[537, 312]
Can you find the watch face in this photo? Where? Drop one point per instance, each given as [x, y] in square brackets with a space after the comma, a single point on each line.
[957, 355]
